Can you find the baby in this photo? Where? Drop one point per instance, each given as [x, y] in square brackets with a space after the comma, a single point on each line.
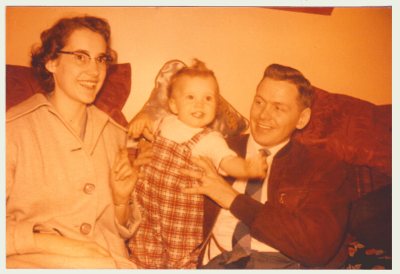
[170, 234]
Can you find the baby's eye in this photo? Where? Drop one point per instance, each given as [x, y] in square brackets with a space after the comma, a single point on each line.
[191, 97]
[209, 98]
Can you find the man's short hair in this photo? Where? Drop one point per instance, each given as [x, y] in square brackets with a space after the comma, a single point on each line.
[295, 77]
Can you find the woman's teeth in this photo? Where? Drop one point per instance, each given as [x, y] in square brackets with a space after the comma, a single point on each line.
[88, 84]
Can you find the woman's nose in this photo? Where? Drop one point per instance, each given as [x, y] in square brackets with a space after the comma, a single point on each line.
[93, 68]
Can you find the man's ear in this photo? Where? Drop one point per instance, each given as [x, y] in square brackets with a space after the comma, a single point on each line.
[51, 65]
[172, 105]
[304, 118]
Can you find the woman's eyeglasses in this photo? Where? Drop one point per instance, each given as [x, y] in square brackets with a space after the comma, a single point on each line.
[83, 59]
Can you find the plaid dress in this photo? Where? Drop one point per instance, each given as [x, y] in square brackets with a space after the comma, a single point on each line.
[171, 230]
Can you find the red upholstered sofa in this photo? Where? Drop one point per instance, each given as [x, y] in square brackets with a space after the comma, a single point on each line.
[359, 133]
[356, 131]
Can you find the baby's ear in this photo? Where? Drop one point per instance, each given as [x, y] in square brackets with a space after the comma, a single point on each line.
[172, 106]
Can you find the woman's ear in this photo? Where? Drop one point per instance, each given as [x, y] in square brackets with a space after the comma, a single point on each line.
[172, 105]
[304, 118]
[51, 65]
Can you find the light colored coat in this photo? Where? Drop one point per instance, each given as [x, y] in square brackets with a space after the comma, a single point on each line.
[56, 183]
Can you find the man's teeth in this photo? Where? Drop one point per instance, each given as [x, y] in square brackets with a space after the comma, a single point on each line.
[264, 126]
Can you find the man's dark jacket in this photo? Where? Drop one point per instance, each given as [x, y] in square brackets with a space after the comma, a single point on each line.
[307, 211]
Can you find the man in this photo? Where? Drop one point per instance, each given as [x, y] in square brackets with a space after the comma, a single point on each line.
[299, 219]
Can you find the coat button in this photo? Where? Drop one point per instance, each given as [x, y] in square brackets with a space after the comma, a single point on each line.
[282, 198]
[85, 228]
[89, 188]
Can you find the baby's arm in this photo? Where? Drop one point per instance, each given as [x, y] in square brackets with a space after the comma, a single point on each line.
[141, 124]
[255, 167]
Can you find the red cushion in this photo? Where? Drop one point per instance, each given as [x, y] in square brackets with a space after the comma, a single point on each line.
[21, 84]
[355, 130]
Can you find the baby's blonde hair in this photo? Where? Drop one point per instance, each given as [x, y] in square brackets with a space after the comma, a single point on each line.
[197, 69]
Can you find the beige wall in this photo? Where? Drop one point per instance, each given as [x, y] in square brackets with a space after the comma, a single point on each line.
[348, 52]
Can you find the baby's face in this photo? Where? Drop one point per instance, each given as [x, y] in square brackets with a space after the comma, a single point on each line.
[194, 100]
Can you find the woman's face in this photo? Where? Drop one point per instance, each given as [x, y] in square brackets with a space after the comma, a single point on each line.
[75, 81]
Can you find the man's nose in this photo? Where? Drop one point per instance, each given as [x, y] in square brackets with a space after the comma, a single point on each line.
[266, 112]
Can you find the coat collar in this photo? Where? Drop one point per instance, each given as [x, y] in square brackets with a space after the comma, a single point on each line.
[97, 119]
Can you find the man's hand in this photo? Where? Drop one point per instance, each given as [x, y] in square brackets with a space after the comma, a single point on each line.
[211, 184]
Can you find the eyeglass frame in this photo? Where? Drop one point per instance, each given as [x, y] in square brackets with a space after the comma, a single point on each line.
[107, 58]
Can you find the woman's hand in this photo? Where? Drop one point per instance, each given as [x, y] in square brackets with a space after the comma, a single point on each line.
[124, 175]
[211, 184]
[55, 244]
[123, 178]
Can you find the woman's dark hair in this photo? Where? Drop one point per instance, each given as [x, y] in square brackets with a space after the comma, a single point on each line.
[56, 37]
[197, 69]
[295, 77]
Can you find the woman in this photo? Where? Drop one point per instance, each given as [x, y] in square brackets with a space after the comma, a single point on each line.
[64, 159]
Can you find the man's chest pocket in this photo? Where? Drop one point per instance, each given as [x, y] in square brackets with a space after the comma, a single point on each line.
[291, 199]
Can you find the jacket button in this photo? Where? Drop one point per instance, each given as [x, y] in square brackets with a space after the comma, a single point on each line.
[89, 188]
[85, 228]
[282, 198]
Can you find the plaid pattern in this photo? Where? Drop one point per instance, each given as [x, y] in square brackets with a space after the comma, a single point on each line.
[171, 230]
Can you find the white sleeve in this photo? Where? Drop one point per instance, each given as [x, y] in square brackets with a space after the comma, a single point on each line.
[213, 146]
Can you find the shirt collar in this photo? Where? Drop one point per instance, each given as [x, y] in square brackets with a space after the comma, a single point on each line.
[253, 147]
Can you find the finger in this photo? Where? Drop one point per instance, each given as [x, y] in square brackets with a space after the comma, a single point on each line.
[121, 160]
[141, 162]
[145, 146]
[147, 133]
[131, 128]
[124, 172]
[192, 173]
[144, 157]
[137, 131]
[192, 190]
[117, 160]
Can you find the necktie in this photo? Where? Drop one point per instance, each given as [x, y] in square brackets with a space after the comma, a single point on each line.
[241, 239]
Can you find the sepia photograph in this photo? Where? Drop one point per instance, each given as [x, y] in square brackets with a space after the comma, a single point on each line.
[208, 136]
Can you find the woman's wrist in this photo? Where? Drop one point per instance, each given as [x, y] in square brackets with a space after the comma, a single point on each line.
[121, 203]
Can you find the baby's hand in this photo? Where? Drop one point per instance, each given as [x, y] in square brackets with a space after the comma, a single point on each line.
[257, 166]
[141, 124]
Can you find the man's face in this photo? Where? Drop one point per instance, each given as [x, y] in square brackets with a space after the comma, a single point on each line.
[276, 113]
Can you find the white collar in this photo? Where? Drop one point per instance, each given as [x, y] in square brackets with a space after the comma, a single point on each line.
[253, 147]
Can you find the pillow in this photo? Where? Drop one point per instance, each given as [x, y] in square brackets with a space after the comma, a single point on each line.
[21, 84]
[228, 121]
[356, 131]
